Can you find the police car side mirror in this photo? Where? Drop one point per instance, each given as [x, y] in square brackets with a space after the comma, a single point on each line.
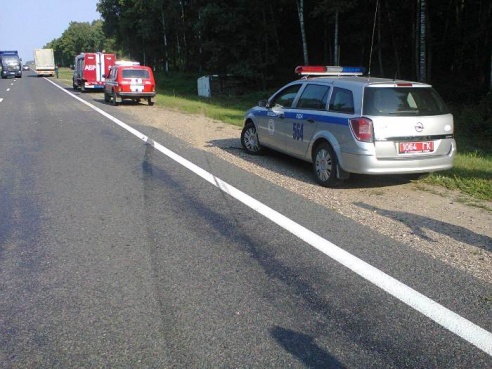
[262, 103]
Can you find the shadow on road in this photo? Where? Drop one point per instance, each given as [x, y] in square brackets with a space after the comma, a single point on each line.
[305, 349]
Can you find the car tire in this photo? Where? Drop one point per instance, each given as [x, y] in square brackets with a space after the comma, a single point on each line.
[114, 99]
[325, 165]
[250, 141]
[107, 97]
[149, 101]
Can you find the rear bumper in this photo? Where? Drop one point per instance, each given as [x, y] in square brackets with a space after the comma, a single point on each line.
[135, 94]
[45, 72]
[370, 164]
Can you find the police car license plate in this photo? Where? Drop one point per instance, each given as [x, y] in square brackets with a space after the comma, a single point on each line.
[416, 147]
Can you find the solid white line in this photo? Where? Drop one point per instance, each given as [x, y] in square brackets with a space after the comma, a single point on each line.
[448, 319]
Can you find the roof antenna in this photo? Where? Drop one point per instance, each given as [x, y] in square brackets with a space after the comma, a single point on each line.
[372, 40]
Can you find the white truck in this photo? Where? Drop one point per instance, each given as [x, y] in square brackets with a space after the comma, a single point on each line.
[44, 62]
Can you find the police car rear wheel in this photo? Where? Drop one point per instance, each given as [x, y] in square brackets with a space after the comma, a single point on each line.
[325, 166]
[249, 140]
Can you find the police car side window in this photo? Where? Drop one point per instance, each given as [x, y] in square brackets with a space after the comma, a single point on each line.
[342, 101]
[314, 97]
[286, 97]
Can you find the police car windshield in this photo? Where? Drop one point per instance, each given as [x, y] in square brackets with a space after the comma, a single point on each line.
[135, 73]
[402, 101]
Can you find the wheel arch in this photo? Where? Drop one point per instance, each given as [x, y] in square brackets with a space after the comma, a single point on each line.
[341, 173]
[249, 120]
[329, 139]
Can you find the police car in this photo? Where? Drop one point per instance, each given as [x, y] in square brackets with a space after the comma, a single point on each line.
[344, 122]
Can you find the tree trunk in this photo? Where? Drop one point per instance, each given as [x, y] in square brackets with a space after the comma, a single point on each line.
[166, 50]
[490, 85]
[336, 56]
[422, 40]
[300, 13]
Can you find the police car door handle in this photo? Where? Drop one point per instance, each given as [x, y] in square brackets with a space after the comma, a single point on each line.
[310, 120]
[281, 116]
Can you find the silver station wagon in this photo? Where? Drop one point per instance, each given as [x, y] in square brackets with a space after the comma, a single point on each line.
[344, 122]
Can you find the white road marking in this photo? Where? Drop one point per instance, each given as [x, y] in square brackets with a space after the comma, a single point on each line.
[1, 99]
[448, 319]
[8, 89]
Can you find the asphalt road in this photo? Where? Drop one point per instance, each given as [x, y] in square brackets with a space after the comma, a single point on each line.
[114, 255]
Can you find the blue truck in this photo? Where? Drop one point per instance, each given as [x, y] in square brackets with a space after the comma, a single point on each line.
[10, 64]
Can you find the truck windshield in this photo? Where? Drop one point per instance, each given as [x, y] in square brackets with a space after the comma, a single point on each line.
[402, 101]
[10, 60]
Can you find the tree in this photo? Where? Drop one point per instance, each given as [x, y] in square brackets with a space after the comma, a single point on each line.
[330, 11]
[254, 37]
[79, 37]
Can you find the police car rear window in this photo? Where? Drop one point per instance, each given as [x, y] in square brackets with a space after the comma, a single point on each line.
[135, 73]
[402, 101]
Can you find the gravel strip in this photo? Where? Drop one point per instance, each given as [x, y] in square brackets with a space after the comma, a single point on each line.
[429, 219]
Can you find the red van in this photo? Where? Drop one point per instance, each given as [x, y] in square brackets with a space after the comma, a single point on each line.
[129, 81]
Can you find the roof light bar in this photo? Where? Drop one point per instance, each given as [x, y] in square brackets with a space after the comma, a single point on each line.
[321, 70]
[126, 63]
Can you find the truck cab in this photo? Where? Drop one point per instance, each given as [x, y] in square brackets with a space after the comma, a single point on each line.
[10, 64]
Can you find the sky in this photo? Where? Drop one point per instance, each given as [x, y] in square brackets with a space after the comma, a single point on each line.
[26, 25]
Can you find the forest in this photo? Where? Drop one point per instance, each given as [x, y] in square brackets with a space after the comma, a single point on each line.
[447, 43]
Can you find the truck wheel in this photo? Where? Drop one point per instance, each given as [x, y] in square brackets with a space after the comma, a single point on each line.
[115, 102]
[107, 98]
[325, 166]
[149, 101]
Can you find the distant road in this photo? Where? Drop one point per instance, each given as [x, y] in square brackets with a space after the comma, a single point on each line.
[114, 253]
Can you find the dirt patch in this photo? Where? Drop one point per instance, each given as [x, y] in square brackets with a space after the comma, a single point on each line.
[430, 219]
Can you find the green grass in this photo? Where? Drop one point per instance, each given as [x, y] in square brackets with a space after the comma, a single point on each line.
[471, 174]
[179, 92]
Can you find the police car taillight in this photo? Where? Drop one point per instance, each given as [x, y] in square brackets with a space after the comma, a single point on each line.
[362, 129]
[322, 70]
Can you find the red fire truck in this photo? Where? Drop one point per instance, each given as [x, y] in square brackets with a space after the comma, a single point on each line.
[89, 69]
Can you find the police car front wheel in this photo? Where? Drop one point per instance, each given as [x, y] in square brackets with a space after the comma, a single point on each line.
[249, 140]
